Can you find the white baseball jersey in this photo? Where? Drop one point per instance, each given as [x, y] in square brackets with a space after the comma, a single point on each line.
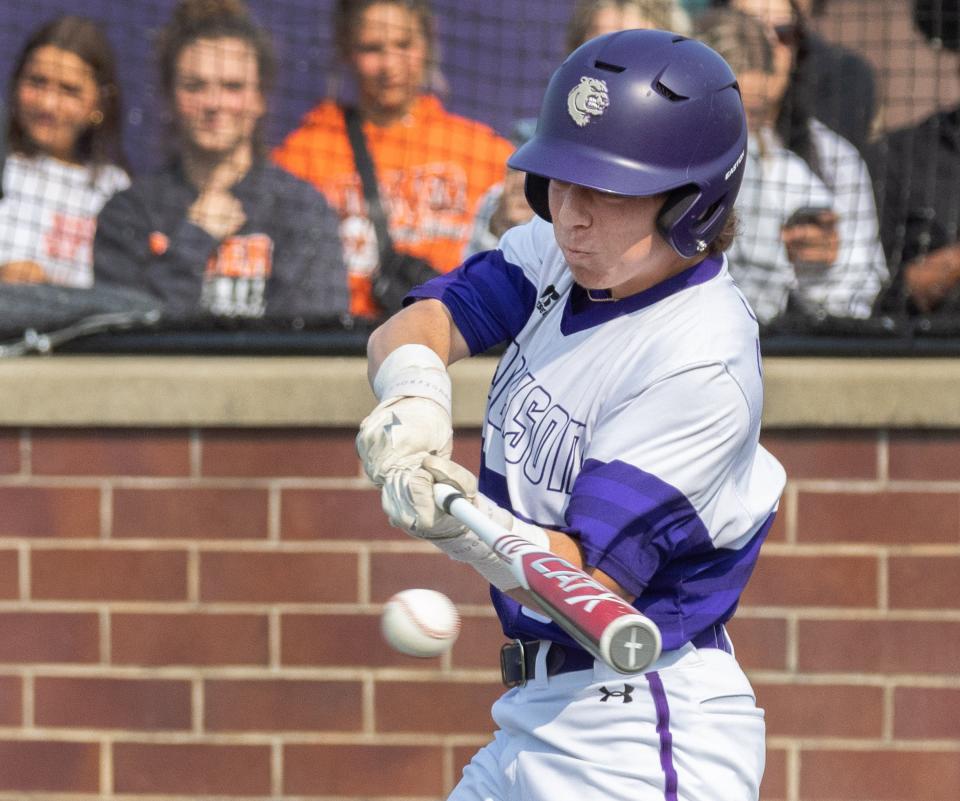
[632, 425]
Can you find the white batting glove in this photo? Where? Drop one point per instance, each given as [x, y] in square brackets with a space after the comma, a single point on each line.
[413, 416]
[407, 499]
[408, 494]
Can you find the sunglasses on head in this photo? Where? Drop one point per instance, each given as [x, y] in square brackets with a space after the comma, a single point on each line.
[787, 34]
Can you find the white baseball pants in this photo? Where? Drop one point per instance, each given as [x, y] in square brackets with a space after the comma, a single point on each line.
[687, 730]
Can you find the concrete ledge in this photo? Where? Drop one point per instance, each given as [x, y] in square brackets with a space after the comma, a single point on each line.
[278, 391]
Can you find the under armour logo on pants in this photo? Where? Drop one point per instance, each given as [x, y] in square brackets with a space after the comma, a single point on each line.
[625, 693]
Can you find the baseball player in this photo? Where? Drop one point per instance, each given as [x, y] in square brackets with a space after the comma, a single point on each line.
[621, 429]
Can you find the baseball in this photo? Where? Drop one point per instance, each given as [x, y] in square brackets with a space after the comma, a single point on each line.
[420, 623]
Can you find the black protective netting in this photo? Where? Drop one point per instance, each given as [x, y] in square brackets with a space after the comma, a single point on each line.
[849, 212]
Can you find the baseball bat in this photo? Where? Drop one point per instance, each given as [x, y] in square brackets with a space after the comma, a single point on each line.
[598, 619]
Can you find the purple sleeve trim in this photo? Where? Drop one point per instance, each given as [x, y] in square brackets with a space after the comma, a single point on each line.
[489, 298]
[630, 523]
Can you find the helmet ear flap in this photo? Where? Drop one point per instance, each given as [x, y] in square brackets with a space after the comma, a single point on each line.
[536, 188]
[690, 237]
[675, 207]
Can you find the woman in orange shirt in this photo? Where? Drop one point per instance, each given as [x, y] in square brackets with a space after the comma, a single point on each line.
[432, 166]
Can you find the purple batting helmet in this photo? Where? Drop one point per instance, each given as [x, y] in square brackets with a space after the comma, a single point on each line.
[642, 113]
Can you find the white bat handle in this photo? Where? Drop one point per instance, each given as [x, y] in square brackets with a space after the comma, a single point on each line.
[453, 502]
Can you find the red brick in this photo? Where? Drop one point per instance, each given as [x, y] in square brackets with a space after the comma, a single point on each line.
[283, 705]
[774, 784]
[334, 514]
[97, 703]
[189, 639]
[392, 572]
[187, 513]
[879, 646]
[270, 577]
[191, 769]
[9, 451]
[9, 574]
[412, 706]
[925, 455]
[52, 767]
[926, 713]
[110, 452]
[279, 452]
[761, 642]
[334, 640]
[49, 512]
[49, 637]
[924, 582]
[355, 771]
[887, 517]
[790, 580]
[825, 455]
[478, 645]
[879, 775]
[11, 701]
[461, 758]
[813, 710]
[108, 575]
[467, 443]
[778, 531]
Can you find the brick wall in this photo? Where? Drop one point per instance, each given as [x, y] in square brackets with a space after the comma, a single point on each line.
[195, 613]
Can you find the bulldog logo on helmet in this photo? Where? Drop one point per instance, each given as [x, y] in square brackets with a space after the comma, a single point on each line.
[587, 99]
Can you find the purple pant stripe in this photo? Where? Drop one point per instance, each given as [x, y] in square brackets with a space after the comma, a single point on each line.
[666, 738]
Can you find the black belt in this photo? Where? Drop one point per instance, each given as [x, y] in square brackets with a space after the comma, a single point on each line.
[518, 659]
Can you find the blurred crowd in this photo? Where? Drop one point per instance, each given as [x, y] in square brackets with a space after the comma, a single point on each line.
[381, 186]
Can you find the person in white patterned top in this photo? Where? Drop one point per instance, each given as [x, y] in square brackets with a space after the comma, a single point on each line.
[66, 158]
[810, 241]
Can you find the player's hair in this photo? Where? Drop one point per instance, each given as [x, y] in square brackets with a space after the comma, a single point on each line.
[216, 19]
[346, 19]
[100, 144]
[664, 14]
[727, 235]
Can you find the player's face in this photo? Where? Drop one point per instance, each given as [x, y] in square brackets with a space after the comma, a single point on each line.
[610, 241]
[389, 56]
[217, 95]
[57, 100]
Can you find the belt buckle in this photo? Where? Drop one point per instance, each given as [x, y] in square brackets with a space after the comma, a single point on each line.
[506, 651]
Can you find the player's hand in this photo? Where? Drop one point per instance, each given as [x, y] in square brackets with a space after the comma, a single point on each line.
[408, 501]
[399, 433]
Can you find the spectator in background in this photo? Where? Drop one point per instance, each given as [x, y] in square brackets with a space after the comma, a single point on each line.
[918, 180]
[505, 204]
[64, 154]
[432, 167]
[221, 231]
[832, 83]
[592, 18]
[810, 238]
